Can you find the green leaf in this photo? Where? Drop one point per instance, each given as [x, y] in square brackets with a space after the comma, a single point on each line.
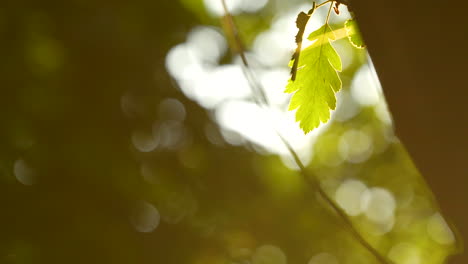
[317, 81]
[354, 34]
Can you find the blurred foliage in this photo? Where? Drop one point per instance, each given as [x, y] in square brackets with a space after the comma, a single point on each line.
[97, 166]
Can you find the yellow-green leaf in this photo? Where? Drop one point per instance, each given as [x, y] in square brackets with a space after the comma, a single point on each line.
[354, 34]
[317, 81]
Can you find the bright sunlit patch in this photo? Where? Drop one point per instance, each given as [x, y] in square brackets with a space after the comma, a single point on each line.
[323, 258]
[285, 23]
[232, 137]
[215, 7]
[144, 141]
[23, 172]
[202, 81]
[271, 48]
[222, 83]
[365, 88]
[355, 146]
[285, 124]
[405, 253]
[144, 217]
[249, 120]
[378, 204]
[182, 62]
[382, 227]
[346, 108]
[259, 125]
[348, 196]
[269, 254]
[171, 109]
[346, 52]
[382, 113]
[274, 81]
[439, 230]
[251, 6]
[275, 46]
[224, 87]
[207, 43]
[209, 85]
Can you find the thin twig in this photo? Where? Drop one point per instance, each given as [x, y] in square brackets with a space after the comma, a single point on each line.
[310, 179]
[329, 12]
[324, 3]
[253, 83]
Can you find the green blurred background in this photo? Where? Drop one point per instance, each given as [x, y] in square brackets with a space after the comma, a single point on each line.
[119, 145]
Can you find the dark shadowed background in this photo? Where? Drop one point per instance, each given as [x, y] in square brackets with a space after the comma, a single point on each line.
[84, 87]
[419, 49]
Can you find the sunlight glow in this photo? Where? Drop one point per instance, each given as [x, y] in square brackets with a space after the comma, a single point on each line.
[24, 173]
[380, 228]
[268, 254]
[144, 141]
[348, 196]
[439, 230]
[182, 62]
[223, 83]
[251, 6]
[207, 43]
[378, 204]
[149, 173]
[323, 258]
[366, 90]
[225, 89]
[405, 253]
[382, 112]
[272, 48]
[145, 217]
[346, 107]
[260, 125]
[171, 109]
[273, 81]
[355, 146]
[215, 7]
[170, 134]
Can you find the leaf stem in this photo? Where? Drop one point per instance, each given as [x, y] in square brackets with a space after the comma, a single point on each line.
[324, 3]
[329, 12]
[310, 179]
